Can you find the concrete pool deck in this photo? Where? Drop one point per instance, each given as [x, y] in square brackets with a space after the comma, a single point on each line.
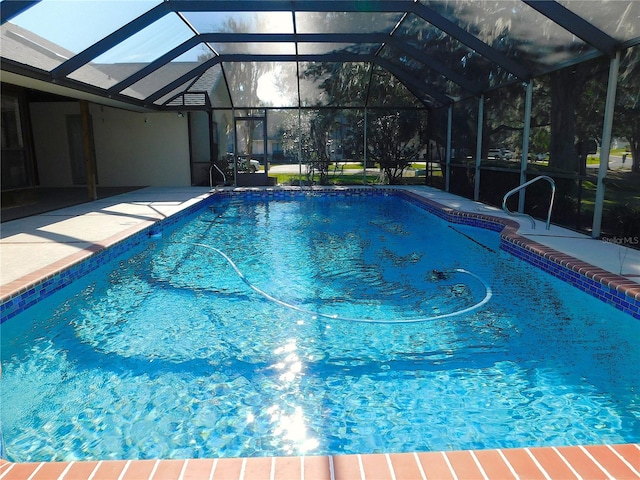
[37, 247]
[611, 255]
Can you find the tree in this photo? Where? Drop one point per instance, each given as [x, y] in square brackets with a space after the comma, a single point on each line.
[395, 141]
[566, 87]
[578, 97]
[319, 138]
[627, 113]
[313, 138]
[338, 83]
[503, 119]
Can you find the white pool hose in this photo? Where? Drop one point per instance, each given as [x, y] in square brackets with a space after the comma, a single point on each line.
[475, 306]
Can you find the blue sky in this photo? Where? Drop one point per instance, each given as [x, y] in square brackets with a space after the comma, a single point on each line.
[77, 24]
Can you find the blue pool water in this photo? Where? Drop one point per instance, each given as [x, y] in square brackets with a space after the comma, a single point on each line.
[173, 353]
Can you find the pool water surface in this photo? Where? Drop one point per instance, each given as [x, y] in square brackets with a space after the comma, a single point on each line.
[247, 332]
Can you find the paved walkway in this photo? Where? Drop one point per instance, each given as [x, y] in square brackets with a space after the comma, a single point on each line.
[34, 244]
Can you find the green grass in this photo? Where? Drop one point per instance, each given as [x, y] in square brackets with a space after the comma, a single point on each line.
[351, 166]
[620, 151]
[595, 160]
[621, 189]
[294, 179]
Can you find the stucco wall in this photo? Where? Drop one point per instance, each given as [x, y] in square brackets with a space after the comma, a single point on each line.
[132, 149]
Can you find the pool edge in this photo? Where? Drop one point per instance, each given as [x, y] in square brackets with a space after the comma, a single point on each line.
[620, 461]
[618, 291]
[613, 289]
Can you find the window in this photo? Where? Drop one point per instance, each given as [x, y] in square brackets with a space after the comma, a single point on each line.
[14, 159]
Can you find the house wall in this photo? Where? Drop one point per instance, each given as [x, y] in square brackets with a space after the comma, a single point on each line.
[132, 149]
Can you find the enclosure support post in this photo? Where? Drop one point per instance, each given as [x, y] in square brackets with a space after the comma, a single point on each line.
[88, 150]
[364, 158]
[235, 149]
[447, 169]
[605, 147]
[265, 149]
[300, 146]
[526, 130]
[213, 147]
[476, 190]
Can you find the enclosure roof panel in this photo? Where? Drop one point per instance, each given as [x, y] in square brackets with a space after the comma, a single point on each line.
[206, 54]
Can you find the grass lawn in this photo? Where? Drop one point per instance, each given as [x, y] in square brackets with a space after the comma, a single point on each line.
[294, 179]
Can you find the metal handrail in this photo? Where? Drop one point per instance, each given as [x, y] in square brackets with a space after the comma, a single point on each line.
[224, 177]
[525, 185]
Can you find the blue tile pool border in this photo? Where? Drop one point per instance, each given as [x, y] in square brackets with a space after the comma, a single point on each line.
[606, 286]
[16, 303]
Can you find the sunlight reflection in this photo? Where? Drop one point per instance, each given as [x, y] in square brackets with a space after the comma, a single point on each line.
[292, 428]
[271, 89]
[291, 365]
[289, 347]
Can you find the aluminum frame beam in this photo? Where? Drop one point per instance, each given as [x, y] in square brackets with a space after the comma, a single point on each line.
[407, 80]
[470, 41]
[478, 162]
[605, 147]
[168, 6]
[110, 41]
[9, 9]
[575, 24]
[559, 14]
[303, 38]
[292, 5]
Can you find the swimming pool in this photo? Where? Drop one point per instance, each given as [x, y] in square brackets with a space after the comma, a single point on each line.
[171, 353]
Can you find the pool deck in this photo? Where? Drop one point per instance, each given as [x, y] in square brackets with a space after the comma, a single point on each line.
[587, 463]
[37, 247]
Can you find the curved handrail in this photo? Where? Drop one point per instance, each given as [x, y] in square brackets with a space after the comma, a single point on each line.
[525, 185]
[224, 177]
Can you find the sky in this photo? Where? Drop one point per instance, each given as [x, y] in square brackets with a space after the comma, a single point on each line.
[78, 24]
